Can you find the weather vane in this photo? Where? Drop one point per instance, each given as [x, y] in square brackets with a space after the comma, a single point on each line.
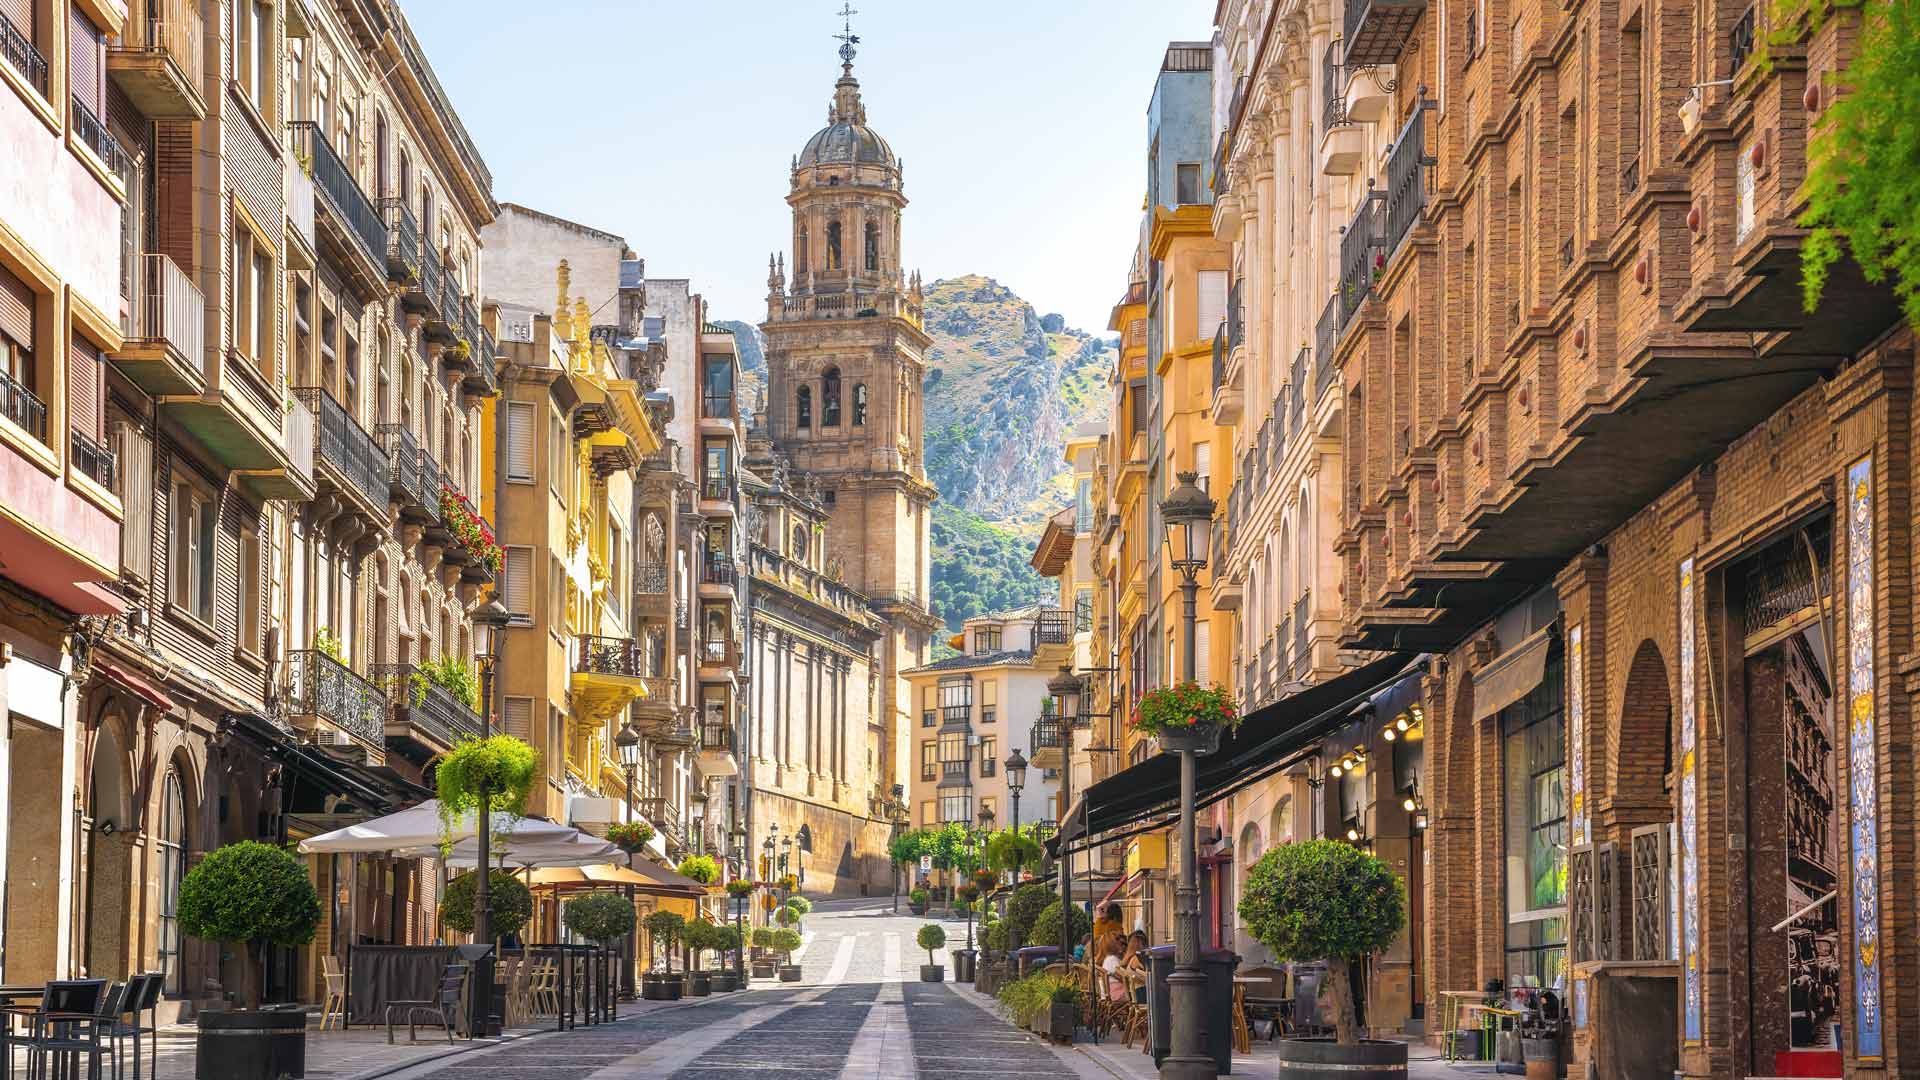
[847, 38]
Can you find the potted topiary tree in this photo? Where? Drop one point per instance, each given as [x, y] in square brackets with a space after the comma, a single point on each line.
[601, 917]
[1062, 1013]
[801, 907]
[931, 937]
[507, 898]
[252, 895]
[665, 928]
[1046, 926]
[785, 941]
[917, 901]
[723, 940]
[1325, 900]
[762, 952]
[699, 937]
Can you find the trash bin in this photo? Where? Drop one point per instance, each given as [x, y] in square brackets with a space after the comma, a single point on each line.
[963, 965]
[1216, 1022]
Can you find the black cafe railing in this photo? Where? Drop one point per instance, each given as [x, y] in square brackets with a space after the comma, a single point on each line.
[1407, 176]
[18, 48]
[609, 656]
[93, 460]
[430, 706]
[340, 191]
[23, 407]
[342, 445]
[1360, 254]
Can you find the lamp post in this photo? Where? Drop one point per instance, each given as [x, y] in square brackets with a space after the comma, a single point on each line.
[1065, 689]
[737, 838]
[489, 628]
[986, 825]
[1188, 514]
[897, 813]
[1016, 780]
[628, 742]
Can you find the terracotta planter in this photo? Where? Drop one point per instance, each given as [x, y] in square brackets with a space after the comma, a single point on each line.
[1324, 1059]
[1200, 738]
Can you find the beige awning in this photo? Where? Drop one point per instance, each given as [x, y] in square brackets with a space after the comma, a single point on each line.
[1511, 676]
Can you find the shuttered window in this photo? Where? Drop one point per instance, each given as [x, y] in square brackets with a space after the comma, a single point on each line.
[86, 62]
[134, 456]
[16, 310]
[1202, 641]
[85, 383]
[519, 583]
[517, 718]
[1212, 303]
[520, 420]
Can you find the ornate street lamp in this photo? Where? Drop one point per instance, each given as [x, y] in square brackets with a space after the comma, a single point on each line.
[628, 743]
[737, 842]
[1188, 514]
[898, 815]
[489, 632]
[1064, 688]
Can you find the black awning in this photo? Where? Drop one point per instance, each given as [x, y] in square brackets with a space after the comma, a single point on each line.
[1264, 741]
[317, 775]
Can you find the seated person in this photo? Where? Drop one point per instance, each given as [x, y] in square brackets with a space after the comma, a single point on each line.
[1135, 959]
[1111, 953]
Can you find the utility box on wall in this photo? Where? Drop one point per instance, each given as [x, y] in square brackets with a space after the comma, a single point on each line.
[1147, 852]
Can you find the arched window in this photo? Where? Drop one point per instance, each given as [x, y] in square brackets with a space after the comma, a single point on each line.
[800, 253]
[859, 404]
[830, 398]
[1280, 826]
[1285, 596]
[803, 408]
[172, 840]
[833, 245]
[873, 247]
[799, 548]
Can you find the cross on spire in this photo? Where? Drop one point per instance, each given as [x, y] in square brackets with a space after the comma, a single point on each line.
[847, 38]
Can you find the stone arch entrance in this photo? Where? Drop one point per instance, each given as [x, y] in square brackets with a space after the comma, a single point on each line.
[111, 827]
[1640, 753]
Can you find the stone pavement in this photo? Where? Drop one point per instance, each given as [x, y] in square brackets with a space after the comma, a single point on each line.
[858, 1013]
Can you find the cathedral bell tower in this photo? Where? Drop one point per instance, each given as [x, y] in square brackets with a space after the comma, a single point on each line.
[846, 360]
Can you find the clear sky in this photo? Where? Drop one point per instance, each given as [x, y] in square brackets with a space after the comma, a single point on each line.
[1021, 124]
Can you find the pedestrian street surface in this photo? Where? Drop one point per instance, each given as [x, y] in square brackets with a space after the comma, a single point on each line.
[858, 1013]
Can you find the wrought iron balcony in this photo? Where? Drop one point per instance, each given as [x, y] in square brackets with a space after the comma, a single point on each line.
[318, 687]
[481, 379]
[19, 51]
[609, 656]
[165, 329]
[23, 407]
[716, 734]
[408, 483]
[650, 578]
[93, 460]
[1221, 185]
[717, 487]
[345, 454]
[159, 60]
[422, 294]
[424, 704]
[1326, 338]
[1333, 93]
[1236, 316]
[717, 652]
[1053, 626]
[929, 718]
[1407, 168]
[359, 238]
[1301, 645]
[92, 131]
[403, 240]
[1360, 255]
[956, 715]
[1046, 742]
[1377, 29]
[717, 572]
[1220, 357]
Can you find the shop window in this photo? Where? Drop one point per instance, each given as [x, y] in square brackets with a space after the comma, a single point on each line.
[1534, 763]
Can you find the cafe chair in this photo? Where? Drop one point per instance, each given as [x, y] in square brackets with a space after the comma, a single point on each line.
[334, 1010]
[443, 1006]
[75, 1018]
[142, 996]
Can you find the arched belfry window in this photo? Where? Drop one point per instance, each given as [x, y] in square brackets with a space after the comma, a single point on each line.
[830, 398]
[873, 247]
[859, 404]
[833, 245]
[803, 407]
[800, 252]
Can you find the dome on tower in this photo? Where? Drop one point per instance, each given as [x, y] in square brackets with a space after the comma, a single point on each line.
[844, 142]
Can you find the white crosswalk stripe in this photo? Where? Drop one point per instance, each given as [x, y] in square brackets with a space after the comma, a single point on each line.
[842, 960]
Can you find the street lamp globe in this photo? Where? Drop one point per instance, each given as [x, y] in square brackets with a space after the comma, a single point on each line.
[1065, 689]
[628, 740]
[1187, 513]
[1016, 764]
[489, 619]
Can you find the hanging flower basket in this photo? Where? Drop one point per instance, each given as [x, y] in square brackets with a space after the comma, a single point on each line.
[631, 837]
[470, 530]
[1186, 717]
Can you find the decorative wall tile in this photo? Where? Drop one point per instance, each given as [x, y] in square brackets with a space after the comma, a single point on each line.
[1581, 827]
[1863, 784]
[1690, 957]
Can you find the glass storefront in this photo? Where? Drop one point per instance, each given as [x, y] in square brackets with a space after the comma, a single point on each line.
[1534, 763]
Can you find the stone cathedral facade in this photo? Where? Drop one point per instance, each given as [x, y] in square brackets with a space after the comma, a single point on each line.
[846, 357]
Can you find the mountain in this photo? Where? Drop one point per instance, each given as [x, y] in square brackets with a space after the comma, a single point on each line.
[752, 346]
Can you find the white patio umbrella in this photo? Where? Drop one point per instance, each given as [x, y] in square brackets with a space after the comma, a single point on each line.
[416, 830]
[580, 849]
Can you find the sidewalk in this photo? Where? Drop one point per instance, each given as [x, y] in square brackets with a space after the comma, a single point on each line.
[362, 1053]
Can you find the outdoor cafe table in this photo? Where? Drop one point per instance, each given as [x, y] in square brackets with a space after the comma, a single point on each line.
[1461, 1007]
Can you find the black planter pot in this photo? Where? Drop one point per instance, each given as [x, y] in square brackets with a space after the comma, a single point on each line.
[964, 965]
[661, 987]
[762, 969]
[917, 909]
[932, 973]
[251, 1046]
[1201, 739]
[1056, 1022]
[726, 982]
[1324, 1059]
[699, 983]
[789, 972]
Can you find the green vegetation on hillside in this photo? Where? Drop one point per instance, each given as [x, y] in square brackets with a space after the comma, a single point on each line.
[979, 567]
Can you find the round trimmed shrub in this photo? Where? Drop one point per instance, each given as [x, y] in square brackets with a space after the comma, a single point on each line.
[507, 898]
[800, 904]
[1046, 928]
[785, 940]
[930, 938]
[251, 894]
[666, 928]
[785, 916]
[599, 917]
[1028, 902]
[1323, 899]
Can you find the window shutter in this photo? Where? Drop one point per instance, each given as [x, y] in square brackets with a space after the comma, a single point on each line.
[1202, 650]
[519, 584]
[16, 309]
[1203, 465]
[1212, 301]
[86, 62]
[520, 418]
[517, 717]
[83, 388]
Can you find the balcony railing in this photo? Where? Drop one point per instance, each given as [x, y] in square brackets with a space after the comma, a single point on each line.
[1740, 42]
[1376, 29]
[408, 483]
[716, 734]
[1053, 626]
[1220, 357]
[716, 488]
[424, 294]
[1407, 176]
[717, 651]
[1333, 95]
[429, 705]
[169, 310]
[960, 715]
[717, 406]
[1236, 317]
[609, 656]
[1326, 337]
[650, 578]
[403, 240]
[929, 718]
[19, 51]
[20, 405]
[716, 572]
[90, 129]
[1048, 733]
[1221, 186]
[1360, 255]
[320, 686]
[340, 192]
[342, 445]
[93, 460]
[1302, 363]
[169, 32]
[1302, 609]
